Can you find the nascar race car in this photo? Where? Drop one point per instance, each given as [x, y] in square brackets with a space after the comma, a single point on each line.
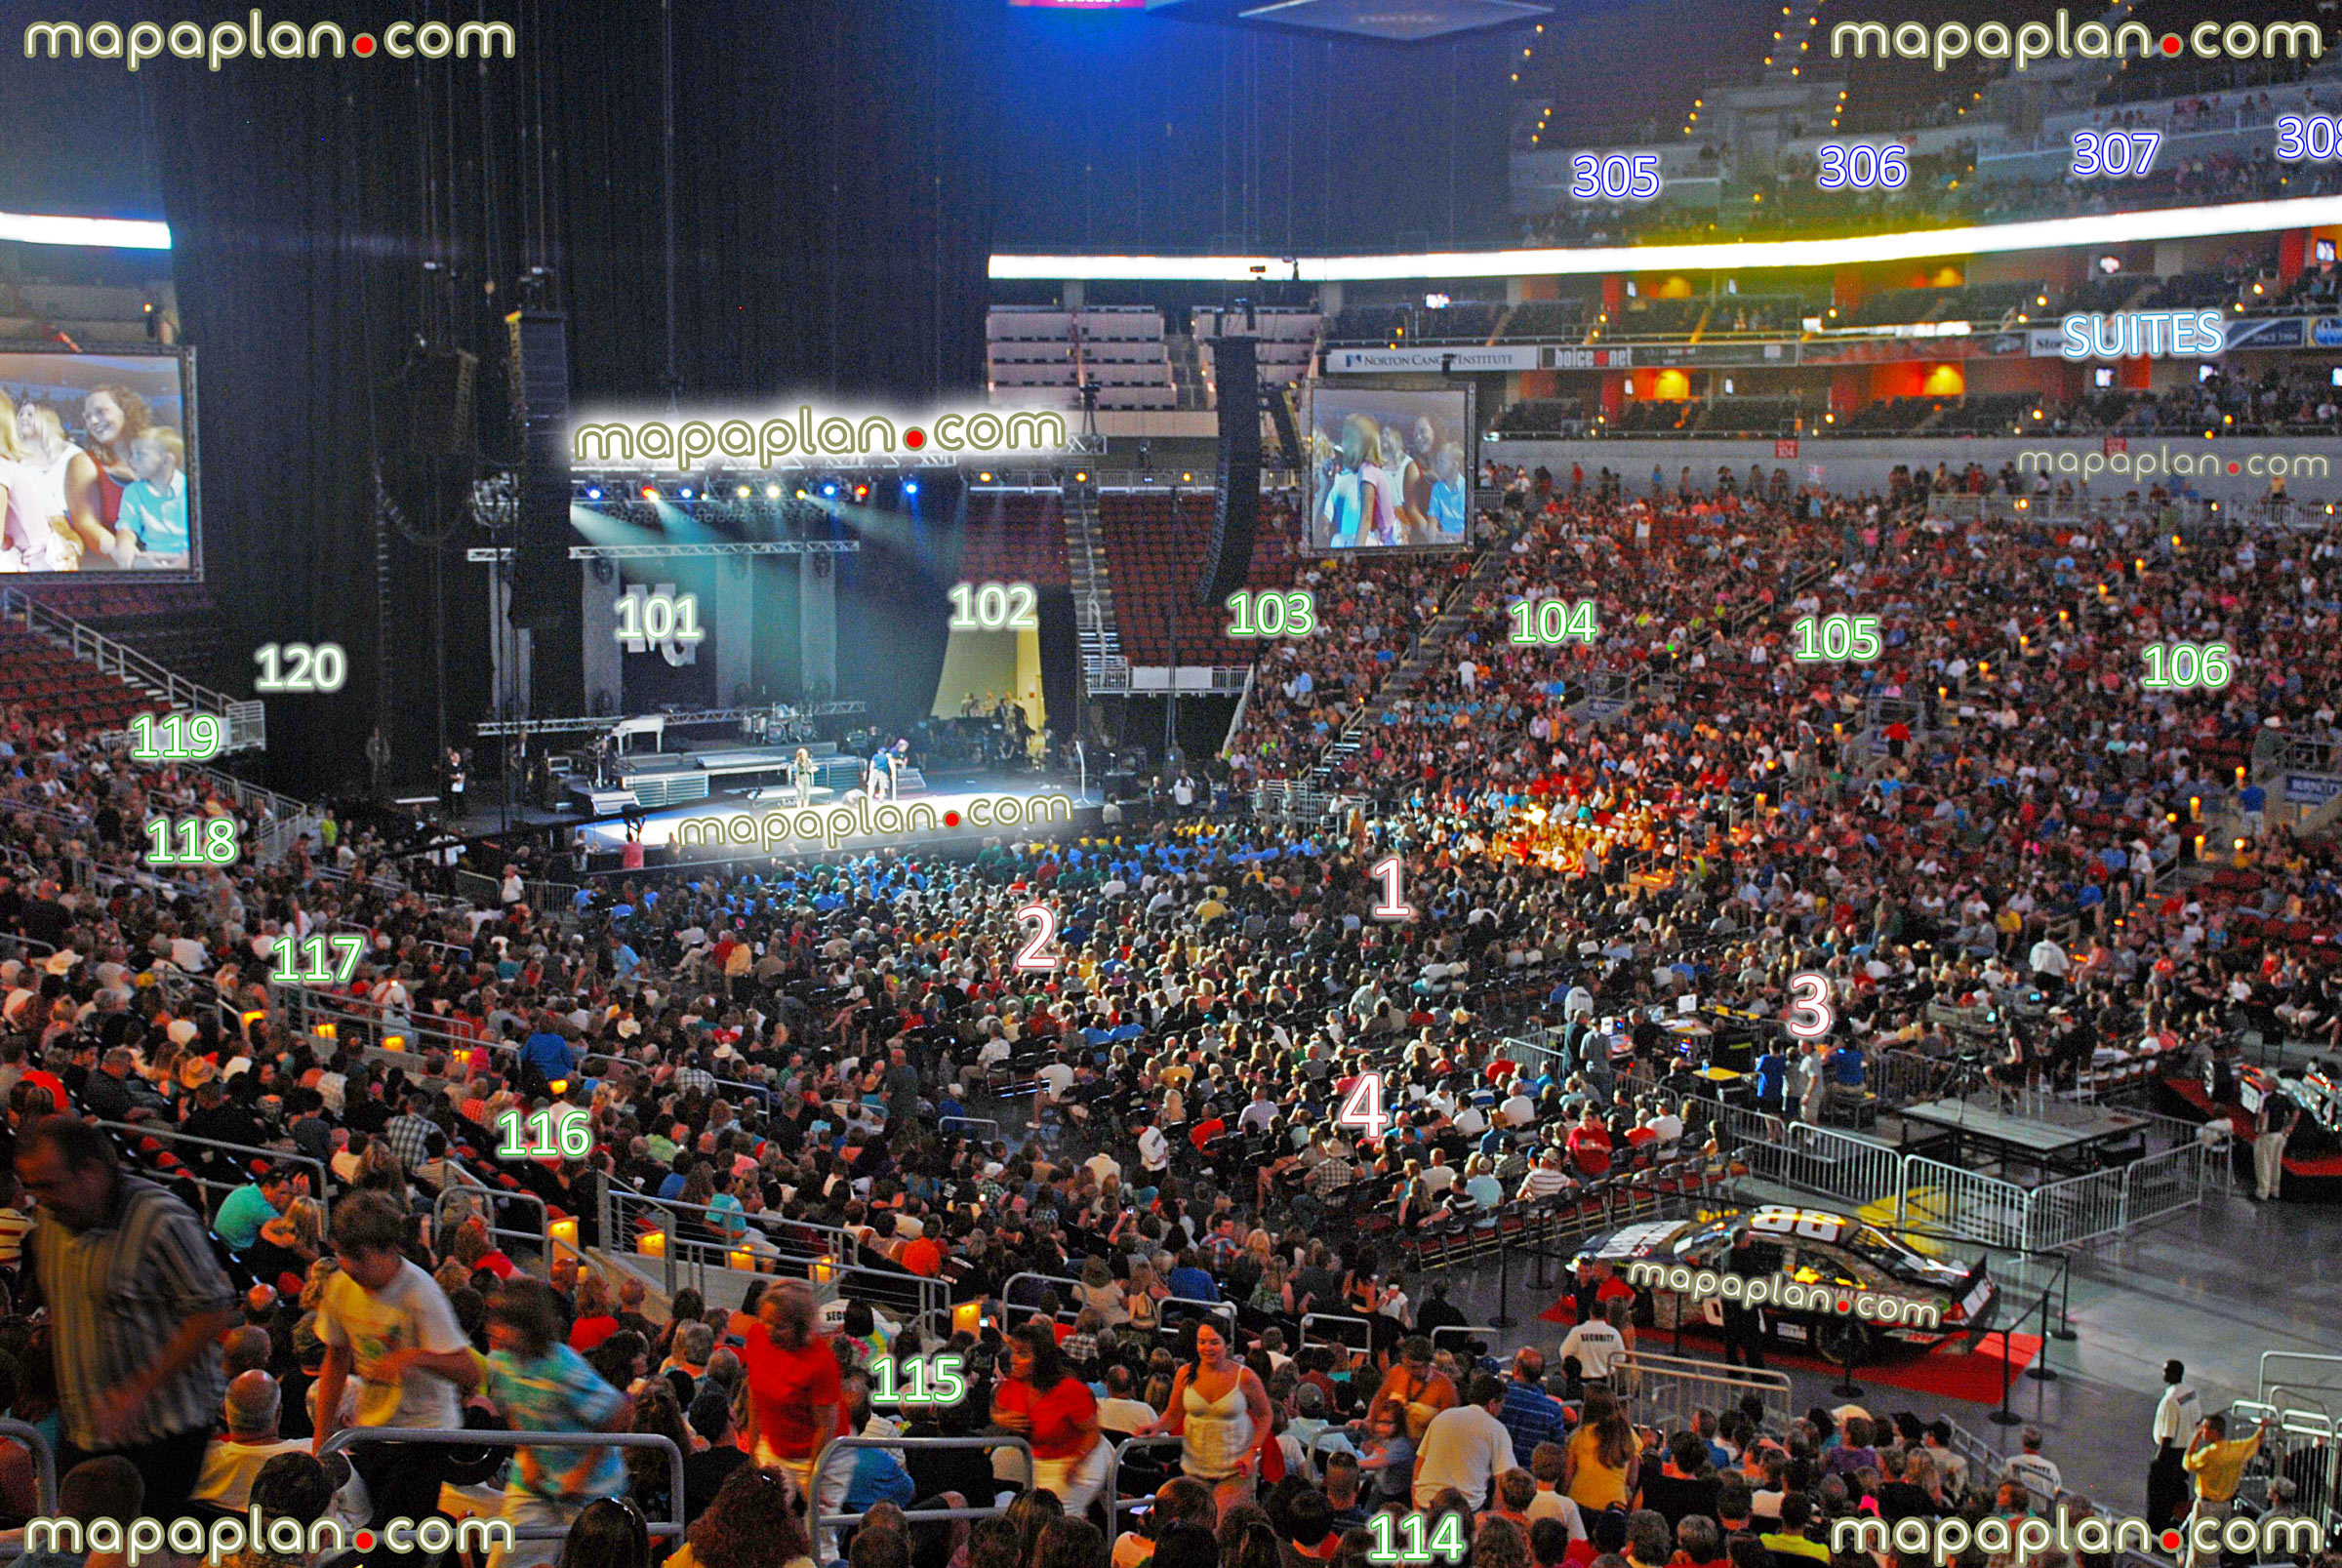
[1819, 1268]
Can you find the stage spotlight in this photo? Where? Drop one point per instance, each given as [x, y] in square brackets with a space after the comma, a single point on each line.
[650, 491]
[829, 489]
[594, 493]
[772, 492]
[862, 492]
[801, 494]
[743, 492]
[983, 478]
[911, 487]
[687, 491]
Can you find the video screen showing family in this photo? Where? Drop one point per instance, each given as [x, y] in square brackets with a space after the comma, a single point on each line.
[1389, 470]
[93, 463]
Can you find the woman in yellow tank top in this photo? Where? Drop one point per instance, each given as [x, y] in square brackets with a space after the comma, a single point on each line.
[1604, 1456]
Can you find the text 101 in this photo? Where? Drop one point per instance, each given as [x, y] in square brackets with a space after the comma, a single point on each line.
[659, 618]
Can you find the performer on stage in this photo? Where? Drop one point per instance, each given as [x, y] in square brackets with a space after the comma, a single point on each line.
[882, 773]
[801, 769]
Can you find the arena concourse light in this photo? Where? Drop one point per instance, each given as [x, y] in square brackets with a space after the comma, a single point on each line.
[2040, 234]
[117, 233]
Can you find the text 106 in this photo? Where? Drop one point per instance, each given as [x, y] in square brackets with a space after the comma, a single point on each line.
[2180, 666]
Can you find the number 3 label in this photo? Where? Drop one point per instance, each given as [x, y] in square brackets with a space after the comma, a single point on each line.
[1031, 957]
[1810, 1015]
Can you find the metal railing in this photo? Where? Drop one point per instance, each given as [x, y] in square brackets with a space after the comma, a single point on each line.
[1308, 1318]
[833, 1261]
[965, 1126]
[484, 1199]
[1469, 1333]
[1226, 1310]
[2304, 1446]
[817, 1522]
[1949, 1200]
[245, 724]
[546, 897]
[1673, 1386]
[244, 1151]
[44, 1460]
[1815, 1159]
[2321, 1366]
[586, 1063]
[1118, 1503]
[460, 1437]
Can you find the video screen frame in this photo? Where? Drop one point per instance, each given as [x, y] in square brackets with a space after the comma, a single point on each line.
[103, 360]
[1317, 533]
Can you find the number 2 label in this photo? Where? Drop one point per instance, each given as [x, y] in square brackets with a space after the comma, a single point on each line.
[1034, 957]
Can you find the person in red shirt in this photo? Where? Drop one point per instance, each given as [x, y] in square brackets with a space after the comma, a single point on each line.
[1590, 1146]
[795, 1395]
[595, 1322]
[922, 1255]
[1056, 1413]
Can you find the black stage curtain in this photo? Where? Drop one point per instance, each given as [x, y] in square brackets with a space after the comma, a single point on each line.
[832, 217]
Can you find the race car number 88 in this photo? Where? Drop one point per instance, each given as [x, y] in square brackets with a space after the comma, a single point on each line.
[1810, 1223]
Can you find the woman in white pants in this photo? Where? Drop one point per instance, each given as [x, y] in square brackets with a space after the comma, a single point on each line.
[1055, 1413]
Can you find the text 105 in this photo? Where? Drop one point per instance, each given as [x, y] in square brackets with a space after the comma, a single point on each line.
[559, 1134]
[1550, 620]
[1269, 613]
[922, 1380]
[201, 841]
[176, 737]
[314, 968]
[1840, 639]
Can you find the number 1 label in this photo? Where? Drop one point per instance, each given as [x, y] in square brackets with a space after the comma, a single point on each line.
[1393, 905]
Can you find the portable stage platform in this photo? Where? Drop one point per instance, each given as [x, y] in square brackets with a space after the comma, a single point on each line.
[2032, 1131]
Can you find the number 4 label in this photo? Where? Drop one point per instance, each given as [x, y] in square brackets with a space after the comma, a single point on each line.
[1362, 1107]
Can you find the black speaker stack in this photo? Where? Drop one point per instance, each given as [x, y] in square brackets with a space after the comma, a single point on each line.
[545, 579]
[1237, 502]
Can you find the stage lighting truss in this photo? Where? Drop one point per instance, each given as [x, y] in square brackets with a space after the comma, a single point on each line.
[689, 553]
[721, 484]
[710, 715]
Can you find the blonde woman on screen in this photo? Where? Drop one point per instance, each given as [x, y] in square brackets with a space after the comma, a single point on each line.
[1402, 469]
[68, 479]
[1360, 505]
[28, 539]
[1384, 477]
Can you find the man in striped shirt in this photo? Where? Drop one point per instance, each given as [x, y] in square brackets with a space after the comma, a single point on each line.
[137, 1304]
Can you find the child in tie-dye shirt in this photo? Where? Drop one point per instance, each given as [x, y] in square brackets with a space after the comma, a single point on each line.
[539, 1384]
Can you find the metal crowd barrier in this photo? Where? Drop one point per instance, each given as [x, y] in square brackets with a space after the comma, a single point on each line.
[458, 1437]
[763, 1090]
[1308, 1318]
[2316, 1365]
[1226, 1310]
[246, 1151]
[815, 1522]
[1467, 1331]
[1673, 1386]
[1120, 1505]
[967, 1125]
[471, 1188]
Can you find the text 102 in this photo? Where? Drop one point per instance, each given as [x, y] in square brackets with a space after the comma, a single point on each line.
[933, 1381]
[1836, 640]
[201, 841]
[659, 618]
[2180, 666]
[176, 737]
[295, 667]
[993, 607]
[314, 968]
[1550, 620]
[1447, 1539]
[1269, 613]
[564, 1135]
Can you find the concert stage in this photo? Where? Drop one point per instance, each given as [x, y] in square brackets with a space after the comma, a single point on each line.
[968, 810]
[2037, 1133]
[693, 770]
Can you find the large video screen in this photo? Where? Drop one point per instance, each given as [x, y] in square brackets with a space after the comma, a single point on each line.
[1389, 470]
[96, 457]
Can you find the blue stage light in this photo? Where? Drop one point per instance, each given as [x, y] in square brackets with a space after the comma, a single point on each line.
[911, 487]
[594, 493]
[829, 490]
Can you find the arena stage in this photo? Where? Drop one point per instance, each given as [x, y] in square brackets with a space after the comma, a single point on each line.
[967, 813]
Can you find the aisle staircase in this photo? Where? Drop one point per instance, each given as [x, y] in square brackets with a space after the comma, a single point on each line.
[1453, 616]
[1104, 669]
